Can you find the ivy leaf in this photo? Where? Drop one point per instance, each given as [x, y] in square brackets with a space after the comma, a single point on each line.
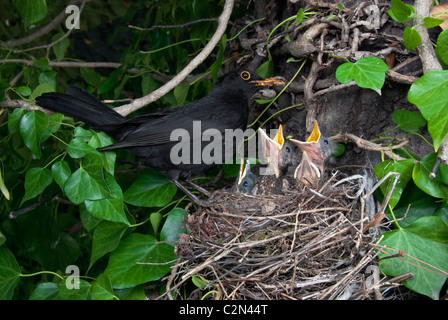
[400, 11]
[14, 119]
[173, 226]
[36, 180]
[431, 22]
[126, 266]
[367, 72]
[40, 89]
[437, 187]
[428, 93]
[34, 128]
[31, 11]
[45, 291]
[60, 48]
[106, 237]
[442, 46]
[61, 172]
[408, 121]
[150, 189]
[87, 183]
[102, 288]
[404, 168]
[426, 240]
[9, 274]
[78, 148]
[110, 208]
[411, 38]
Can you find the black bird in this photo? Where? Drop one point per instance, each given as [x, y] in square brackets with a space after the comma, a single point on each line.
[315, 151]
[149, 136]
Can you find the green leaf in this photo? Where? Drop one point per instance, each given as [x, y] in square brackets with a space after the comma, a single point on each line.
[442, 46]
[23, 91]
[61, 172]
[431, 22]
[367, 72]
[87, 183]
[90, 76]
[419, 208]
[437, 187]
[4, 190]
[2, 238]
[199, 281]
[110, 208]
[31, 11]
[9, 274]
[83, 293]
[300, 17]
[408, 121]
[98, 140]
[102, 288]
[401, 12]
[55, 121]
[173, 226]
[40, 89]
[429, 95]
[61, 47]
[266, 70]
[150, 189]
[155, 218]
[78, 148]
[125, 268]
[426, 240]
[34, 128]
[48, 77]
[45, 291]
[404, 168]
[106, 237]
[411, 38]
[36, 180]
[83, 133]
[180, 93]
[14, 120]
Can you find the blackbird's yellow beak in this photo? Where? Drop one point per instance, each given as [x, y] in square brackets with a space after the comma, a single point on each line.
[270, 82]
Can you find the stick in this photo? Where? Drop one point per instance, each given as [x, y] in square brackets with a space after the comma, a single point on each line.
[155, 95]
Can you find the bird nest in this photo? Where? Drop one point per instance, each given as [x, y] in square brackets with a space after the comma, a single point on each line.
[302, 244]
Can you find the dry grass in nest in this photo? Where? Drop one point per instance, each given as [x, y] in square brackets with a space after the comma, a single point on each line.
[303, 244]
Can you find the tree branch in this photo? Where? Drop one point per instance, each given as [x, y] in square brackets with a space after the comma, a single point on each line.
[44, 30]
[425, 48]
[153, 96]
[73, 64]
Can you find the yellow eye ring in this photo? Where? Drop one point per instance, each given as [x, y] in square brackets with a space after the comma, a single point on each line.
[245, 75]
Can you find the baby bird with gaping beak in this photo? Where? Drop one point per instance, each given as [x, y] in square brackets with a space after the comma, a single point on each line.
[315, 151]
[247, 182]
[278, 154]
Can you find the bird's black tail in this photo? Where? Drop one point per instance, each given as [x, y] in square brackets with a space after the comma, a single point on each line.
[83, 106]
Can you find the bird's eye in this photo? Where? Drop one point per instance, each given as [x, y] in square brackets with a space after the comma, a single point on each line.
[245, 183]
[288, 150]
[245, 75]
[326, 141]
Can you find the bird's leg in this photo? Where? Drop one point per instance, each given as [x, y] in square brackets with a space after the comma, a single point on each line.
[199, 188]
[193, 198]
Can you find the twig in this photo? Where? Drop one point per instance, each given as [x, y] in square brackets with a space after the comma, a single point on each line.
[72, 64]
[156, 94]
[367, 145]
[425, 48]
[44, 30]
[173, 25]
